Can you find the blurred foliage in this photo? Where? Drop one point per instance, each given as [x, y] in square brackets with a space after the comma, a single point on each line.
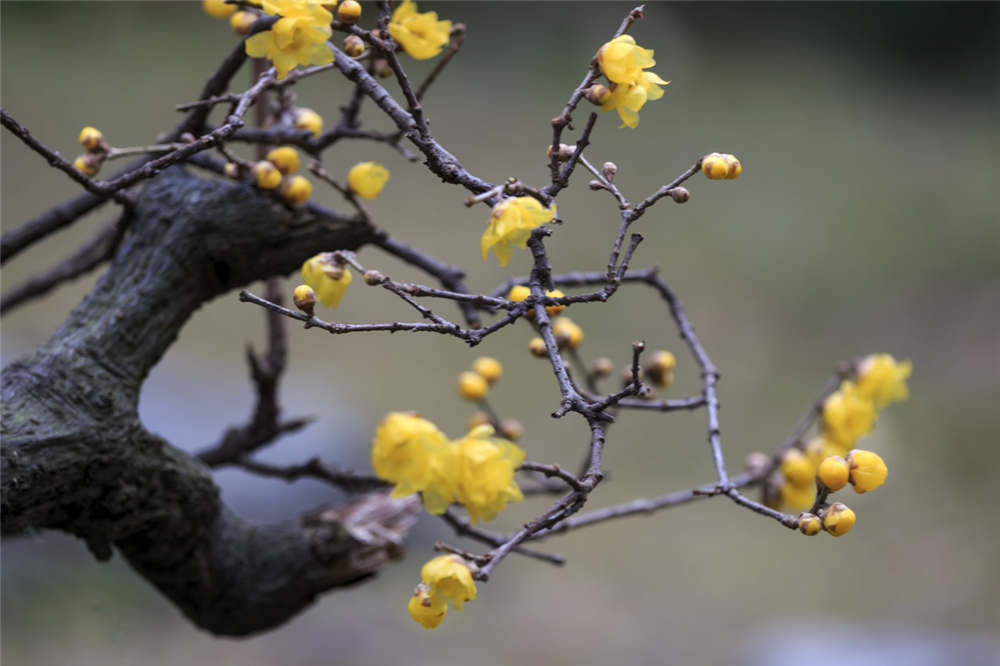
[864, 221]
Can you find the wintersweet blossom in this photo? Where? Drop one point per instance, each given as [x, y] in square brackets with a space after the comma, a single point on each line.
[425, 609]
[329, 280]
[485, 473]
[297, 38]
[510, 226]
[882, 379]
[628, 98]
[622, 61]
[366, 179]
[847, 415]
[450, 579]
[421, 35]
[408, 451]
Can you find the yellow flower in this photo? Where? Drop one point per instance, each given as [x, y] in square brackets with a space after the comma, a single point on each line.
[425, 609]
[628, 98]
[882, 379]
[622, 60]
[868, 470]
[285, 158]
[797, 468]
[366, 179]
[797, 497]
[266, 175]
[296, 189]
[488, 368]
[298, 38]
[242, 21]
[406, 450]
[421, 35]
[809, 524]
[449, 579]
[510, 225]
[537, 347]
[833, 473]
[90, 138]
[217, 8]
[472, 385]
[838, 519]
[847, 415]
[518, 293]
[485, 473]
[660, 368]
[820, 448]
[719, 166]
[308, 119]
[553, 310]
[329, 280]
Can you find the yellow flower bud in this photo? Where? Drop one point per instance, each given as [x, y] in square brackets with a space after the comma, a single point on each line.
[488, 368]
[472, 386]
[660, 368]
[537, 347]
[847, 415]
[568, 334]
[797, 497]
[553, 310]
[90, 138]
[308, 119]
[86, 164]
[882, 379]
[809, 524]
[602, 367]
[217, 8]
[518, 292]
[266, 176]
[296, 190]
[366, 179]
[242, 21]
[718, 166]
[354, 46]
[285, 158]
[820, 448]
[425, 609]
[304, 298]
[868, 470]
[512, 430]
[349, 12]
[598, 94]
[833, 473]
[232, 170]
[838, 519]
[797, 468]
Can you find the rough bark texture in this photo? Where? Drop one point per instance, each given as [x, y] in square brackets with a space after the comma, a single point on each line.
[76, 458]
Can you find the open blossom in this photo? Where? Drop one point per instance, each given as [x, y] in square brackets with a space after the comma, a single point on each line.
[485, 473]
[510, 226]
[425, 609]
[421, 35]
[366, 179]
[450, 579]
[622, 61]
[327, 279]
[882, 379]
[410, 452]
[847, 415]
[297, 38]
[628, 98]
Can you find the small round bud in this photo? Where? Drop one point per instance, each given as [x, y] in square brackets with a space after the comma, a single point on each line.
[512, 430]
[660, 368]
[478, 419]
[537, 347]
[296, 190]
[602, 367]
[609, 170]
[472, 386]
[187, 137]
[242, 21]
[756, 463]
[91, 138]
[598, 94]
[680, 194]
[564, 153]
[518, 293]
[568, 335]
[838, 519]
[304, 298]
[488, 368]
[349, 12]
[232, 170]
[868, 470]
[308, 119]
[374, 277]
[717, 166]
[285, 158]
[354, 45]
[809, 524]
[596, 185]
[553, 310]
[217, 8]
[87, 164]
[382, 69]
[833, 473]
[266, 176]
[797, 468]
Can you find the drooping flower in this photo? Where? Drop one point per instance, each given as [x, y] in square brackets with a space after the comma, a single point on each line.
[366, 179]
[882, 379]
[405, 452]
[297, 38]
[622, 60]
[628, 98]
[425, 609]
[510, 226]
[421, 35]
[485, 473]
[449, 579]
[328, 279]
[847, 415]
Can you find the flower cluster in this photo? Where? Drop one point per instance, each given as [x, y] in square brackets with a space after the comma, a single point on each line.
[421, 35]
[623, 62]
[476, 470]
[275, 172]
[444, 579]
[510, 225]
[297, 38]
[475, 384]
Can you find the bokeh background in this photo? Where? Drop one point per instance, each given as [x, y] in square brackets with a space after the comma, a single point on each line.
[865, 221]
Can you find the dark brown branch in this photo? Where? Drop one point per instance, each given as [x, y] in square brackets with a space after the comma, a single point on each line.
[315, 469]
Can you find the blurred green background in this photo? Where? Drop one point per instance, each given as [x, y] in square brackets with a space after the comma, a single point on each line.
[861, 223]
